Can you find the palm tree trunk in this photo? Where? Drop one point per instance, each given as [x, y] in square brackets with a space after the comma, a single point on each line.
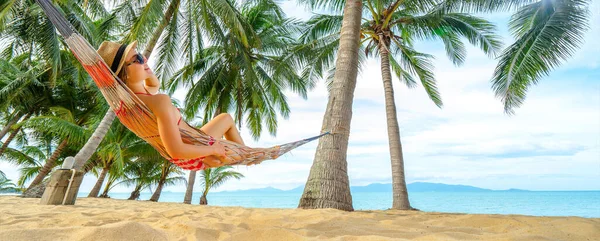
[189, 191]
[90, 165]
[6, 128]
[156, 194]
[190, 188]
[161, 182]
[9, 140]
[327, 185]
[12, 135]
[203, 200]
[105, 191]
[50, 163]
[96, 189]
[166, 18]
[92, 144]
[399, 191]
[135, 194]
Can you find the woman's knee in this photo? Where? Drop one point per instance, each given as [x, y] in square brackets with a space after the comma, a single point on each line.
[226, 117]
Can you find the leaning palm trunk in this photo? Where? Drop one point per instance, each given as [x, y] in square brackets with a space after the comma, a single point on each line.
[399, 192]
[163, 177]
[161, 27]
[327, 185]
[10, 138]
[98, 185]
[136, 193]
[92, 144]
[156, 194]
[90, 165]
[107, 188]
[190, 188]
[12, 135]
[203, 199]
[50, 163]
[207, 186]
[10, 123]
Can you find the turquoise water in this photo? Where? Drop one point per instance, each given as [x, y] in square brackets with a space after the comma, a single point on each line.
[582, 204]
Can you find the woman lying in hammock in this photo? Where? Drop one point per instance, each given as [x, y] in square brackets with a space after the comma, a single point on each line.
[132, 68]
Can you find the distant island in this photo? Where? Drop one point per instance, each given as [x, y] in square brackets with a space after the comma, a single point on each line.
[387, 187]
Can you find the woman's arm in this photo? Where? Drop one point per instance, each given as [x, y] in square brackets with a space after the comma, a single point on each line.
[162, 107]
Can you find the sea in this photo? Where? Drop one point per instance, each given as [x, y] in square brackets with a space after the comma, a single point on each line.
[534, 203]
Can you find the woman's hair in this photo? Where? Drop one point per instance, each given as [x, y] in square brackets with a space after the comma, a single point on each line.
[123, 74]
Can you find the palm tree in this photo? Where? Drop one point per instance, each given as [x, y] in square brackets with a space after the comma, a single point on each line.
[34, 41]
[114, 175]
[141, 173]
[547, 33]
[389, 31]
[133, 150]
[214, 177]
[166, 177]
[328, 185]
[23, 89]
[246, 75]
[72, 107]
[383, 37]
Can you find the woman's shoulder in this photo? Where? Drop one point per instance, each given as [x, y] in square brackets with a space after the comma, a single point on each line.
[157, 100]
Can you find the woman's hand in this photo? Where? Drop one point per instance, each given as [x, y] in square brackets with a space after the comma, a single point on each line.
[152, 83]
[218, 149]
[217, 157]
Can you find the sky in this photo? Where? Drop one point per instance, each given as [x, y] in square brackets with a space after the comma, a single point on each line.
[551, 143]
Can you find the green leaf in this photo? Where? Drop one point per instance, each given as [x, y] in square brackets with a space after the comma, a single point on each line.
[548, 33]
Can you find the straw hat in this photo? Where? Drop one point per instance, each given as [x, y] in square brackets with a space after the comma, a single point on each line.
[114, 54]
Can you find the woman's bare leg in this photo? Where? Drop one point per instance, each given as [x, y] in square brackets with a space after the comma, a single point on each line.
[223, 125]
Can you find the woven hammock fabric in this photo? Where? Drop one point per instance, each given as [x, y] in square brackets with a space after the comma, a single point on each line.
[138, 118]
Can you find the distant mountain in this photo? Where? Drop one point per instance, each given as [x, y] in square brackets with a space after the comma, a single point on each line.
[439, 187]
[386, 187]
[373, 187]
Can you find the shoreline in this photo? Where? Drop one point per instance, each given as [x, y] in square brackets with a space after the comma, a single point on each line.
[115, 219]
[491, 210]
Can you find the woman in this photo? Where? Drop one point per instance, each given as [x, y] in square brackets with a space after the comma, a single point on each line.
[132, 68]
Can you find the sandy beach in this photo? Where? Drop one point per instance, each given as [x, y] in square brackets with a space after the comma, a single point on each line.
[110, 219]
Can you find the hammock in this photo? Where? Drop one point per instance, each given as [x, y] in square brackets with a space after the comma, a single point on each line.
[138, 118]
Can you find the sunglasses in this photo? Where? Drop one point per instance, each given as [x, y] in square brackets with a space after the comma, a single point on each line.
[139, 59]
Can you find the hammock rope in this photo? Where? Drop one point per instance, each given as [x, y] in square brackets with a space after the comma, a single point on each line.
[138, 118]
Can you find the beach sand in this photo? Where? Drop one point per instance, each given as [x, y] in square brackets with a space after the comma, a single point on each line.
[110, 219]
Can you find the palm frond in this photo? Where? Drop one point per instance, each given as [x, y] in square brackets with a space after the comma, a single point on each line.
[401, 74]
[548, 33]
[486, 6]
[420, 64]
